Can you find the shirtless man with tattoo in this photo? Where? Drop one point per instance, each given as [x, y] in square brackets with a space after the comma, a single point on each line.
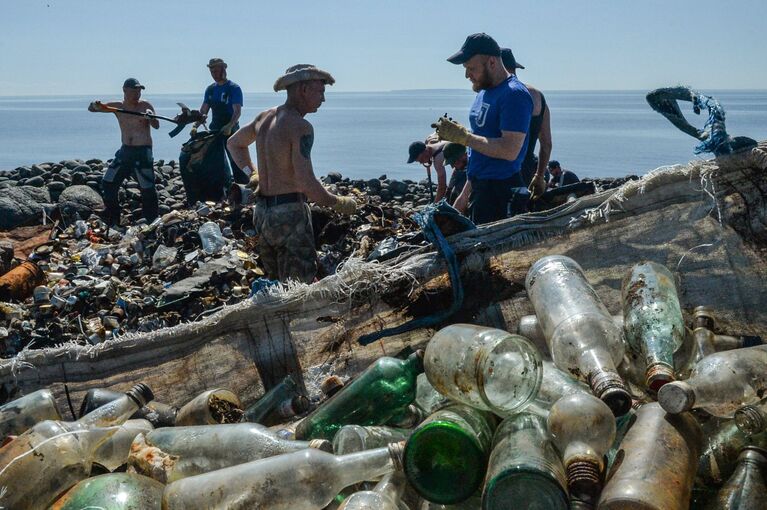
[134, 156]
[285, 177]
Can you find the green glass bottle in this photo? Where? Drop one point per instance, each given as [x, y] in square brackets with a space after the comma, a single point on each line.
[524, 467]
[278, 404]
[114, 491]
[379, 393]
[446, 455]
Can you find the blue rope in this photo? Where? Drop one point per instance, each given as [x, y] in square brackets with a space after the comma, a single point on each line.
[426, 220]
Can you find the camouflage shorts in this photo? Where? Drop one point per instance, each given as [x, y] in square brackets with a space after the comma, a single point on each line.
[286, 241]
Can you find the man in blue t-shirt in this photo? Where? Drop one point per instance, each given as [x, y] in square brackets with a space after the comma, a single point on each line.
[500, 120]
[223, 98]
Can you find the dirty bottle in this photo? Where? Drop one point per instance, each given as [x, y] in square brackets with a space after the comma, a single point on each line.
[279, 404]
[113, 491]
[408, 418]
[485, 368]
[211, 407]
[305, 480]
[524, 467]
[355, 438]
[746, 488]
[157, 413]
[172, 453]
[752, 419]
[24, 412]
[63, 452]
[720, 384]
[380, 392]
[446, 455]
[212, 238]
[583, 428]
[530, 327]
[658, 459]
[113, 452]
[386, 495]
[722, 444]
[555, 384]
[653, 324]
[582, 336]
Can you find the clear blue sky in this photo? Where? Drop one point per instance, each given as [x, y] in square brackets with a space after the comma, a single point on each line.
[52, 47]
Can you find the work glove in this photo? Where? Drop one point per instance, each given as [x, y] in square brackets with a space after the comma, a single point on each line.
[537, 186]
[96, 106]
[147, 114]
[345, 205]
[253, 182]
[451, 131]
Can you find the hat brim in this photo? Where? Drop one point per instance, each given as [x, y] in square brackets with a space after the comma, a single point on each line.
[519, 66]
[217, 64]
[459, 58]
[139, 87]
[288, 79]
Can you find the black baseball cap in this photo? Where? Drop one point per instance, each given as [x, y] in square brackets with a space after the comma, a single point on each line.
[553, 164]
[415, 150]
[476, 44]
[132, 83]
[452, 152]
[509, 62]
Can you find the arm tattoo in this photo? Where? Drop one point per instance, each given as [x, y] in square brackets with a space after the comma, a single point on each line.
[306, 145]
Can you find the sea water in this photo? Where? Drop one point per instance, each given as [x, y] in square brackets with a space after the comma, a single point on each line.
[366, 134]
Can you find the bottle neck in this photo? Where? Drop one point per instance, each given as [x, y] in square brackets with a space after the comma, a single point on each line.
[391, 486]
[366, 465]
[116, 412]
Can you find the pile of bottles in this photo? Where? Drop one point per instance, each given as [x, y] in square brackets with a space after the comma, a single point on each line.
[576, 410]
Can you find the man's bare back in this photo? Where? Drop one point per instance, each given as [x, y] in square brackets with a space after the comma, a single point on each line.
[276, 131]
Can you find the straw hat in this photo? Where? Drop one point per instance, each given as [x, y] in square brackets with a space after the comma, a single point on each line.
[302, 72]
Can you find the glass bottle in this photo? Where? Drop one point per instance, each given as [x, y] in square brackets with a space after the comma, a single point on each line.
[722, 444]
[21, 414]
[386, 495]
[530, 327]
[555, 384]
[752, 419]
[157, 413]
[355, 438]
[583, 428]
[446, 455]
[524, 467]
[305, 480]
[209, 408]
[653, 325]
[113, 452]
[485, 368]
[655, 466]
[720, 384]
[746, 488]
[582, 336]
[113, 491]
[54, 455]
[427, 398]
[381, 391]
[280, 403]
[172, 453]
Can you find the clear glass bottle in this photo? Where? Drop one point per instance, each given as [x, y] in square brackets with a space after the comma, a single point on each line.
[173, 453]
[722, 444]
[113, 491]
[583, 428]
[386, 495]
[752, 419]
[446, 455]
[524, 467]
[21, 414]
[746, 488]
[720, 384]
[530, 328]
[376, 395]
[305, 480]
[355, 438]
[52, 456]
[582, 336]
[653, 324]
[555, 384]
[485, 368]
[427, 398]
[656, 463]
[113, 452]
[280, 403]
[210, 407]
[157, 413]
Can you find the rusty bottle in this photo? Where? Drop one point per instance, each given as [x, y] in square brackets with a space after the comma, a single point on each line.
[582, 336]
[746, 488]
[24, 412]
[305, 480]
[211, 407]
[52, 456]
[485, 368]
[655, 465]
[653, 325]
[583, 428]
[720, 384]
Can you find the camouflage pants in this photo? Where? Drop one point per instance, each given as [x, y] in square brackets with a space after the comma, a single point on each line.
[286, 241]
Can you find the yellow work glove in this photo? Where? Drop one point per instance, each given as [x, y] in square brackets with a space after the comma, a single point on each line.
[345, 205]
[253, 182]
[537, 186]
[451, 131]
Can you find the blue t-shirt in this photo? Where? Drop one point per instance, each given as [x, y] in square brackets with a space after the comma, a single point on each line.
[506, 107]
[220, 98]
